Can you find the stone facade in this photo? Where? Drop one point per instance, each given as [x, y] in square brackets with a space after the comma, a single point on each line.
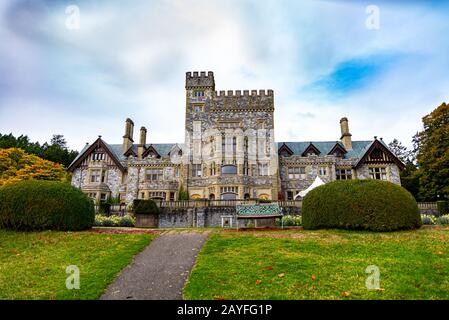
[229, 152]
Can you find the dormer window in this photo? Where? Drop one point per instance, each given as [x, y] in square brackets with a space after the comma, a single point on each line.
[311, 150]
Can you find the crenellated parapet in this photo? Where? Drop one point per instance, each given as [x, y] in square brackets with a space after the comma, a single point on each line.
[244, 100]
[201, 79]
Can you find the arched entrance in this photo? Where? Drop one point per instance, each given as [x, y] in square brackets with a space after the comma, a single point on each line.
[212, 196]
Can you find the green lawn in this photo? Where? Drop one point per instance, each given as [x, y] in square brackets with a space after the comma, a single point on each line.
[327, 264]
[33, 265]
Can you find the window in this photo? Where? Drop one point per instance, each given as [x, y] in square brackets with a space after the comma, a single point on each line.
[172, 196]
[229, 189]
[103, 176]
[297, 173]
[378, 173]
[344, 174]
[245, 168]
[234, 145]
[154, 174]
[223, 144]
[212, 147]
[213, 169]
[245, 145]
[322, 171]
[98, 156]
[95, 176]
[229, 192]
[103, 197]
[176, 172]
[196, 170]
[157, 195]
[229, 169]
[198, 93]
[92, 195]
[263, 169]
[289, 195]
[198, 108]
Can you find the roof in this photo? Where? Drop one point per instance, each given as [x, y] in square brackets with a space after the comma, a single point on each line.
[162, 148]
[358, 147]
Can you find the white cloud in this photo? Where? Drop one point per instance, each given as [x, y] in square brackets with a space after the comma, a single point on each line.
[130, 61]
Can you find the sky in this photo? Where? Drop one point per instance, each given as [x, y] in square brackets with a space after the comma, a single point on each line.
[80, 68]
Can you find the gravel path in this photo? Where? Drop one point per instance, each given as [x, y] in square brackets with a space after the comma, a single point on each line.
[160, 271]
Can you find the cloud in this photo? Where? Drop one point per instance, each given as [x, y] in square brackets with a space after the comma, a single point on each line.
[130, 61]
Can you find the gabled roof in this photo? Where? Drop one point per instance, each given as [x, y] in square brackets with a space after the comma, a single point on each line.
[130, 152]
[311, 148]
[381, 145]
[151, 149]
[87, 150]
[285, 148]
[338, 146]
[358, 147]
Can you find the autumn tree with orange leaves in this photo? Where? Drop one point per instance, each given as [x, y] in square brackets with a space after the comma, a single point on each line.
[17, 165]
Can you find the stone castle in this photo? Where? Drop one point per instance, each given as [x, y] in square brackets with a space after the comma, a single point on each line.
[229, 153]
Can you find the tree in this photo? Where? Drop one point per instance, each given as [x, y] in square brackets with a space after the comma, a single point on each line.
[17, 165]
[433, 156]
[57, 151]
[410, 174]
[399, 150]
[58, 140]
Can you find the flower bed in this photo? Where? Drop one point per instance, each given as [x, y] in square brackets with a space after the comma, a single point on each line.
[114, 221]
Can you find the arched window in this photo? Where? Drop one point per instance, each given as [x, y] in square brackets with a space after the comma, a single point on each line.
[229, 169]
[264, 196]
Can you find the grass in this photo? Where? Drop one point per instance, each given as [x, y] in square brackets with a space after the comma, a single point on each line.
[326, 264]
[33, 265]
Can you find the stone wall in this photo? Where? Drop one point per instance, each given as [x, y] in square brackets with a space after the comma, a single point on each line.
[205, 217]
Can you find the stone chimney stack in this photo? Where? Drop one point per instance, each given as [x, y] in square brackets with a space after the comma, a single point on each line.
[128, 137]
[345, 135]
[143, 142]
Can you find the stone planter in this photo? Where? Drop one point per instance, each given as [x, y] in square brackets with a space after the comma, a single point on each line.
[147, 220]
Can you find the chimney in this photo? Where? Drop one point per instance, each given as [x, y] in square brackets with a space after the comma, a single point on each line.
[345, 135]
[143, 142]
[128, 137]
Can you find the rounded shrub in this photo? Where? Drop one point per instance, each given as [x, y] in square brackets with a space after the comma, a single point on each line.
[360, 205]
[35, 205]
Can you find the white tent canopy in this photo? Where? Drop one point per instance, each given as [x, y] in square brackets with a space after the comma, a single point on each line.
[318, 182]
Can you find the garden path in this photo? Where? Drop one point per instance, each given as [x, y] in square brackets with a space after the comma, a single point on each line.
[160, 271]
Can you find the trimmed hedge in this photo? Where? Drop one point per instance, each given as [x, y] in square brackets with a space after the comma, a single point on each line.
[360, 205]
[145, 207]
[34, 205]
